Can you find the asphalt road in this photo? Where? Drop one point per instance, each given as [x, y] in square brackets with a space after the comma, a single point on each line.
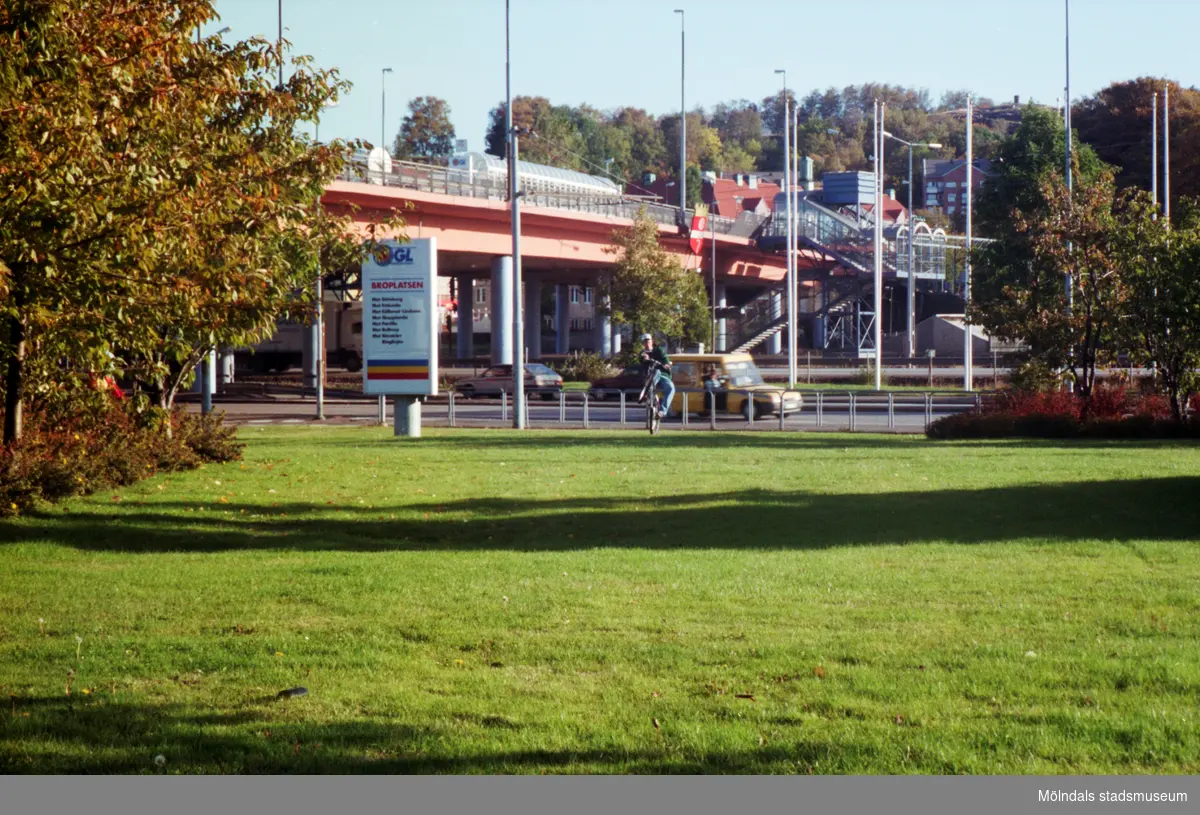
[909, 413]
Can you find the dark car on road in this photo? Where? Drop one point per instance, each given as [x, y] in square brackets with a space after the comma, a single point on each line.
[629, 380]
[538, 379]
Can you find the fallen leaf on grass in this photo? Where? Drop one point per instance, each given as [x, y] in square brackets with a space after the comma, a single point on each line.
[749, 696]
[819, 672]
[655, 723]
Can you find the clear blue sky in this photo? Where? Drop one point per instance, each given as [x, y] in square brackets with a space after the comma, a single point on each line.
[611, 53]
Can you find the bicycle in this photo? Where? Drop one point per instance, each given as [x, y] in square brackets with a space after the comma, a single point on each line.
[649, 395]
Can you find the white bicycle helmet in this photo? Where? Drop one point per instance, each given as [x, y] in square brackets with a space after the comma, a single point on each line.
[645, 337]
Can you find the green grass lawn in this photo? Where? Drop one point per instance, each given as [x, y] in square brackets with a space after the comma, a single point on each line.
[610, 602]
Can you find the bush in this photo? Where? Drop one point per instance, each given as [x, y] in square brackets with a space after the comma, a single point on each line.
[1035, 403]
[584, 366]
[1042, 426]
[1034, 376]
[866, 376]
[112, 445]
[1154, 406]
[1109, 402]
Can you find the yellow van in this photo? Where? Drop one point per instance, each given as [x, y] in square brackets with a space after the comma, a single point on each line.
[736, 378]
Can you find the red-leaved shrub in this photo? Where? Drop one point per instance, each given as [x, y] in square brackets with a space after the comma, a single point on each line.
[104, 446]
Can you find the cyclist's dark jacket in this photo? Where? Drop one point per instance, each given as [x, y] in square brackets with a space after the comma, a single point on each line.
[659, 355]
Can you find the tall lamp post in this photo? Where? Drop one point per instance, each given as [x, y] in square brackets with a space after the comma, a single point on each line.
[279, 42]
[791, 259]
[514, 194]
[209, 362]
[880, 113]
[968, 340]
[383, 105]
[682, 121]
[1069, 288]
[911, 301]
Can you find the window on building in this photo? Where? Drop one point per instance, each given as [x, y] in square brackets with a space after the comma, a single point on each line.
[952, 184]
[575, 325]
[587, 325]
[481, 295]
[952, 197]
[574, 294]
[587, 294]
[950, 210]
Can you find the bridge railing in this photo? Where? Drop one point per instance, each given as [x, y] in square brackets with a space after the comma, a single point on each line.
[453, 181]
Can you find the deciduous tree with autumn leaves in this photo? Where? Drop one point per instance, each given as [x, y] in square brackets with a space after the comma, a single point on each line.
[155, 198]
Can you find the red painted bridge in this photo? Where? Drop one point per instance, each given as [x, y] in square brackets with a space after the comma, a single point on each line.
[566, 241]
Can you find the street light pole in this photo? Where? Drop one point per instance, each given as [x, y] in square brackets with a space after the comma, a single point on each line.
[880, 112]
[793, 252]
[383, 105]
[682, 120]
[1167, 154]
[787, 190]
[279, 43]
[1154, 153]
[968, 343]
[911, 299]
[514, 197]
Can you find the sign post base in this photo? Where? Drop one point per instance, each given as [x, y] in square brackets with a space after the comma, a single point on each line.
[406, 417]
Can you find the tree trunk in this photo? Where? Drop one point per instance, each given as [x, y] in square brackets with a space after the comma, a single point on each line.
[16, 369]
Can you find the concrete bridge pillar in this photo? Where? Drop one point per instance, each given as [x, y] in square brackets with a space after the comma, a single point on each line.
[601, 324]
[562, 319]
[501, 309]
[225, 365]
[775, 342]
[533, 318]
[466, 317]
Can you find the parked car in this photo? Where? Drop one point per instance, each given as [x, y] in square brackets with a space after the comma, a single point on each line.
[629, 380]
[538, 379]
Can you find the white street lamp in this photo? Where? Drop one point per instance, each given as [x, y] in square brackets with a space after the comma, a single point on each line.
[791, 259]
[682, 122]
[911, 300]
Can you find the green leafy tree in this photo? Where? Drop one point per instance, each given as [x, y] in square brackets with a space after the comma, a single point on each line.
[426, 132]
[147, 182]
[650, 291]
[1018, 290]
[1067, 303]
[1161, 309]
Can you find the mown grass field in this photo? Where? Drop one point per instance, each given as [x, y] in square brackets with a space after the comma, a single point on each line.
[487, 602]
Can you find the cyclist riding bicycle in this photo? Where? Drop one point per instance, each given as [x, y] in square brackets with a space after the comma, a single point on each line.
[662, 376]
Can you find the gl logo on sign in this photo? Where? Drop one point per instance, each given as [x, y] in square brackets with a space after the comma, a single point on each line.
[388, 255]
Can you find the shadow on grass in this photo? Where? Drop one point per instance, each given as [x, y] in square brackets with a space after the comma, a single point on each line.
[1144, 509]
[100, 737]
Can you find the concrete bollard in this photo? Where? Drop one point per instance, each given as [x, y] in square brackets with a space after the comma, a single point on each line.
[406, 418]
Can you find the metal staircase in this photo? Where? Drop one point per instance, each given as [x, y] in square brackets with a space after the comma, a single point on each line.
[760, 319]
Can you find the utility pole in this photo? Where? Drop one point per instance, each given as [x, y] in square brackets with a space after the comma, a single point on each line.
[514, 197]
[794, 282]
[1069, 288]
[968, 343]
[682, 121]
[787, 191]
[880, 112]
[1154, 154]
[1167, 154]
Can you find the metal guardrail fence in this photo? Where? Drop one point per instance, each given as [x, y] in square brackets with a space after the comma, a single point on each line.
[450, 181]
[820, 409]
